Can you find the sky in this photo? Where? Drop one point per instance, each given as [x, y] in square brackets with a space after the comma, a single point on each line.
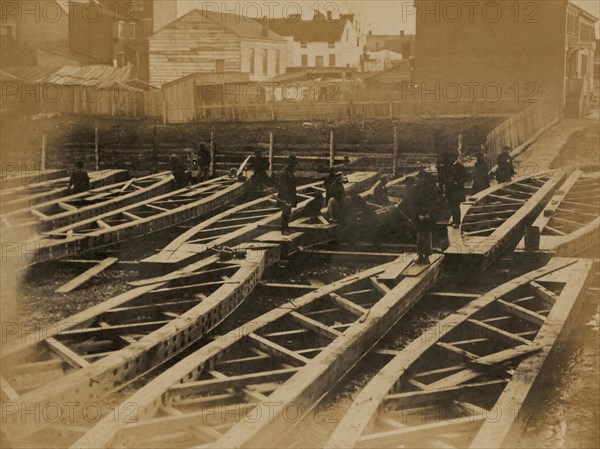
[380, 16]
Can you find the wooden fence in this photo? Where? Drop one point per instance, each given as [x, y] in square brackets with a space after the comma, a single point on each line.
[523, 128]
[317, 111]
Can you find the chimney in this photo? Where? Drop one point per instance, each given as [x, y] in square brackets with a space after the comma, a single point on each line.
[370, 32]
[265, 26]
[316, 16]
[294, 17]
[349, 17]
[401, 33]
[329, 16]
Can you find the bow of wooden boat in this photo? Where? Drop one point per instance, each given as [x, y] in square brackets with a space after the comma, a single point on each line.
[445, 385]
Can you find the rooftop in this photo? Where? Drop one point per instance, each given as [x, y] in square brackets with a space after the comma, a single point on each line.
[320, 30]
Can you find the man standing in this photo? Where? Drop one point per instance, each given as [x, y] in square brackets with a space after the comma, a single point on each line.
[260, 178]
[178, 170]
[424, 203]
[455, 190]
[286, 197]
[505, 166]
[336, 192]
[327, 183]
[204, 160]
[80, 181]
[481, 180]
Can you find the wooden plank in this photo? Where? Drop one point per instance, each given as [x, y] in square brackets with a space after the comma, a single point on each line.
[546, 295]
[8, 393]
[72, 358]
[453, 295]
[505, 355]
[66, 206]
[241, 381]
[292, 286]
[498, 334]
[348, 305]
[87, 275]
[522, 312]
[279, 351]
[315, 325]
[381, 288]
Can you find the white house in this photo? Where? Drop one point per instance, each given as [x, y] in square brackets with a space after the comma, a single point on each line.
[322, 41]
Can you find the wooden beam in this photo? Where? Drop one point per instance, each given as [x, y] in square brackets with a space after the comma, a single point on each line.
[278, 351]
[8, 393]
[543, 293]
[381, 288]
[454, 295]
[241, 381]
[69, 356]
[348, 305]
[498, 334]
[87, 275]
[315, 325]
[501, 357]
[522, 312]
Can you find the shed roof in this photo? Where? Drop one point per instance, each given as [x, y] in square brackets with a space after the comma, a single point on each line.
[310, 30]
[242, 26]
[99, 76]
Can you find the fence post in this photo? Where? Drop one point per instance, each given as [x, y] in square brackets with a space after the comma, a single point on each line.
[97, 147]
[331, 148]
[271, 153]
[396, 149]
[155, 149]
[213, 163]
[164, 112]
[43, 161]
[273, 109]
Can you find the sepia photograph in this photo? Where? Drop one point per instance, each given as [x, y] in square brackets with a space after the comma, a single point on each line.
[300, 224]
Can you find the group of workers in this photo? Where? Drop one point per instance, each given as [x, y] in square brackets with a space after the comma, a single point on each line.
[197, 168]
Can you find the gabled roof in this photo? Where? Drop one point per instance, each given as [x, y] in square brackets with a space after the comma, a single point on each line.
[242, 26]
[310, 30]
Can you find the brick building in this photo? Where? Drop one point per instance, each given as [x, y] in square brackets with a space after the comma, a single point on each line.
[518, 51]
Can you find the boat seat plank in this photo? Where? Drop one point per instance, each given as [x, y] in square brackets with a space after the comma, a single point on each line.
[506, 355]
[278, 351]
[499, 334]
[394, 271]
[380, 287]
[315, 326]
[455, 379]
[544, 294]
[461, 352]
[69, 356]
[246, 393]
[348, 305]
[66, 206]
[87, 275]
[522, 312]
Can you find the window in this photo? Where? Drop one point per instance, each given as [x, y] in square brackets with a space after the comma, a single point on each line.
[331, 44]
[304, 60]
[331, 60]
[219, 65]
[277, 62]
[265, 61]
[251, 60]
[319, 61]
[303, 45]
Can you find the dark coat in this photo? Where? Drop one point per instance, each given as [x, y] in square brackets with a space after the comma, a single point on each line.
[455, 187]
[80, 181]
[287, 186]
[380, 194]
[505, 167]
[481, 180]
[327, 183]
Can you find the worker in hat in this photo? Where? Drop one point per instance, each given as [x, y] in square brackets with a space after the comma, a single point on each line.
[505, 165]
[455, 189]
[380, 195]
[327, 183]
[481, 179]
[424, 206]
[337, 193]
[80, 180]
[260, 165]
[204, 159]
[286, 196]
[178, 170]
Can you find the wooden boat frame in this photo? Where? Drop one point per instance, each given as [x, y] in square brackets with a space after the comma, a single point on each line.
[22, 178]
[416, 387]
[243, 223]
[79, 207]
[395, 287]
[570, 223]
[514, 205]
[138, 219]
[40, 192]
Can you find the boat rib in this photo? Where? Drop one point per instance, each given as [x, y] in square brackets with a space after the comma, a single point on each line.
[458, 384]
[289, 356]
[496, 217]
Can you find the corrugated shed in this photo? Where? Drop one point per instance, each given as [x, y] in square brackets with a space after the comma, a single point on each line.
[99, 76]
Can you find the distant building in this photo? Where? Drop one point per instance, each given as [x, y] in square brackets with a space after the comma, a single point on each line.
[402, 43]
[323, 41]
[213, 42]
[513, 51]
[28, 24]
[120, 31]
